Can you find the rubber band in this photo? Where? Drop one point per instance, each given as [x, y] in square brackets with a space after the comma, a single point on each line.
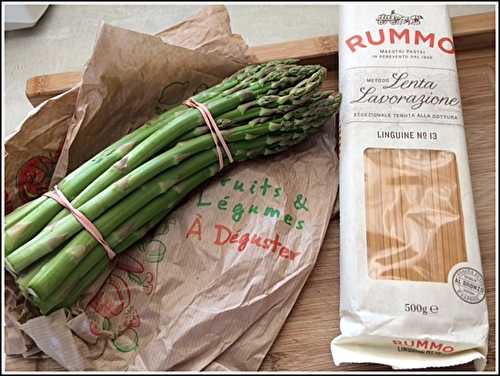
[58, 196]
[214, 130]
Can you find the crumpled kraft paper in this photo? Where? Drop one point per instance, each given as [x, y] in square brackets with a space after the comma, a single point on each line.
[38, 153]
[210, 288]
[214, 283]
[35, 148]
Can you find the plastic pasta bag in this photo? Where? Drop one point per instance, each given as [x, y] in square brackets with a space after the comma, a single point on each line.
[212, 285]
[412, 288]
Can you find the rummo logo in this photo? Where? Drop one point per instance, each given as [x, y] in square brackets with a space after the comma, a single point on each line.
[390, 36]
[394, 18]
[421, 345]
[384, 37]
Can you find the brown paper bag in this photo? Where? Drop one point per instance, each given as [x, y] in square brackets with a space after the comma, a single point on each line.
[33, 159]
[44, 138]
[199, 293]
[191, 296]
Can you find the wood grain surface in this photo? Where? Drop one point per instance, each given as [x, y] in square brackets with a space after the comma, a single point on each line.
[471, 31]
[304, 341]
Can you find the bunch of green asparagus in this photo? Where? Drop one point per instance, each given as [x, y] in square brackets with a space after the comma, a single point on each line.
[129, 187]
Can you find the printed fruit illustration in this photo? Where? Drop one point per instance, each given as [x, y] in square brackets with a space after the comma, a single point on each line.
[113, 298]
[129, 264]
[148, 283]
[145, 281]
[134, 321]
[155, 251]
[33, 178]
[96, 330]
[127, 341]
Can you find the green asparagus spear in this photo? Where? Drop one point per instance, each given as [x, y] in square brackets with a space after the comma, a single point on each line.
[48, 239]
[23, 225]
[262, 110]
[45, 282]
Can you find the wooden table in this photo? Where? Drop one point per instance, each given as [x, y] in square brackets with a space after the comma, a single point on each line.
[304, 341]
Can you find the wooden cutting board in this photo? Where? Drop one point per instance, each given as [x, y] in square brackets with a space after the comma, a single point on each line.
[304, 341]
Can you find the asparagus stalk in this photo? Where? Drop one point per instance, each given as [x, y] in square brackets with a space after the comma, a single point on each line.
[68, 292]
[18, 214]
[248, 73]
[86, 281]
[89, 270]
[45, 282]
[24, 279]
[255, 112]
[192, 118]
[264, 110]
[23, 225]
[151, 215]
[48, 239]
[152, 210]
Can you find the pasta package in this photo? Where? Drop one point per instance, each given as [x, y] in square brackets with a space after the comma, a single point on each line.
[412, 287]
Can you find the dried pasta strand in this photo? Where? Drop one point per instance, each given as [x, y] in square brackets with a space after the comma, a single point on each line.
[434, 242]
[449, 212]
[441, 236]
[371, 169]
[381, 264]
[411, 188]
[421, 240]
[400, 238]
[457, 202]
[378, 262]
[453, 210]
[393, 214]
[417, 235]
[405, 196]
[386, 214]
